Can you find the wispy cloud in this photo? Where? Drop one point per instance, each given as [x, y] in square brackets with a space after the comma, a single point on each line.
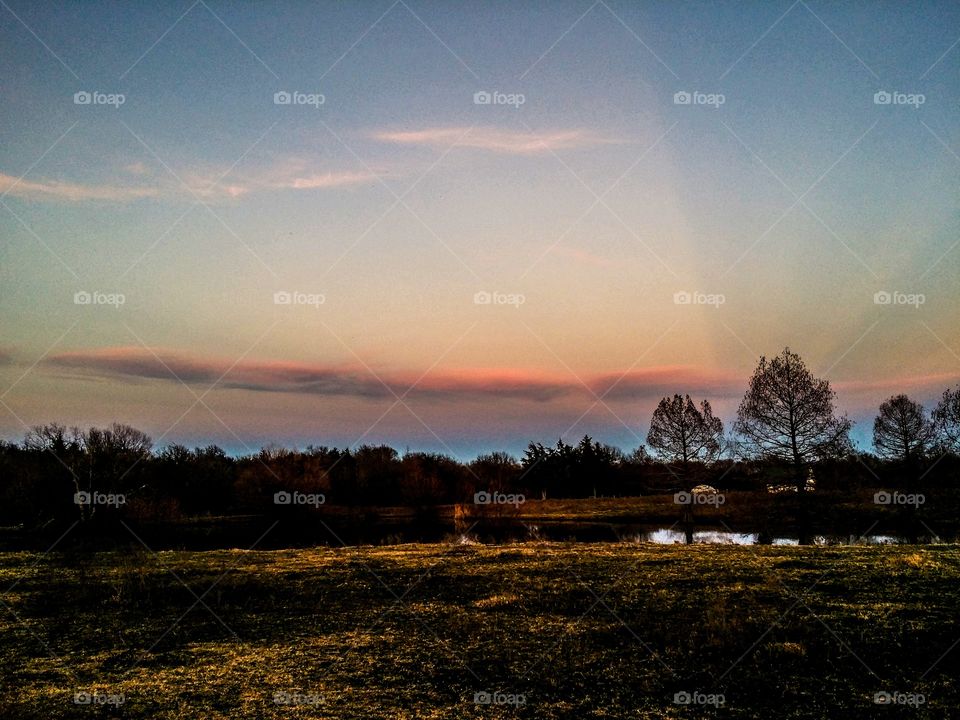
[134, 363]
[287, 174]
[72, 192]
[327, 180]
[208, 184]
[300, 174]
[493, 139]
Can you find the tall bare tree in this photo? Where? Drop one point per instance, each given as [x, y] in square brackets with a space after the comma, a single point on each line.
[946, 418]
[682, 432]
[902, 431]
[787, 414]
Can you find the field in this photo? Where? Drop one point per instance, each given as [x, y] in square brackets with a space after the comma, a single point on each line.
[547, 630]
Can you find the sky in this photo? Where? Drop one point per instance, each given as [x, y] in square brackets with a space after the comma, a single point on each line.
[462, 228]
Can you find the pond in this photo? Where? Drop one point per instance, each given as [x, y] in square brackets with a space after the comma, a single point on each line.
[334, 532]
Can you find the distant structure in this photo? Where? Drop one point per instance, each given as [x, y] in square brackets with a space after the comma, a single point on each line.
[809, 486]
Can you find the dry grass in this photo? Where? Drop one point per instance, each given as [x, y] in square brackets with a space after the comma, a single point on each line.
[415, 631]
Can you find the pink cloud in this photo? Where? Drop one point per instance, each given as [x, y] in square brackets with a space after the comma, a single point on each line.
[73, 192]
[206, 184]
[327, 180]
[640, 385]
[494, 139]
[134, 363]
[290, 174]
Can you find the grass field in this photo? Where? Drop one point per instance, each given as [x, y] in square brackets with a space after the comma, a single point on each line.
[417, 631]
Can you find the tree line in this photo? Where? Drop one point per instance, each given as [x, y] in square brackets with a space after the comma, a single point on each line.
[787, 427]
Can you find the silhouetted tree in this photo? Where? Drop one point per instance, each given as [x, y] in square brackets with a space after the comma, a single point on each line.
[549, 470]
[429, 478]
[116, 460]
[683, 433]
[594, 467]
[640, 456]
[378, 475]
[40, 476]
[902, 431]
[536, 471]
[571, 471]
[100, 459]
[53, 438]
[496, 471]
[946, 418]
[789, 415]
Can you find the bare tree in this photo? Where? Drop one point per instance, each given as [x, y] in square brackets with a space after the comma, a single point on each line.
[682, 432]
[902, 430]
[53, 438]
[114, 457]
[65, 449]
[498, 470]
[787, 414]
[946, 418]
[99, 459]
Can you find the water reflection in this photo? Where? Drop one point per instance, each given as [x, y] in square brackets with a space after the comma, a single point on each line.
[667, 536]
[670, 536]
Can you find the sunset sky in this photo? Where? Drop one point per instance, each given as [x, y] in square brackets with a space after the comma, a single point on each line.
[780, 209]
